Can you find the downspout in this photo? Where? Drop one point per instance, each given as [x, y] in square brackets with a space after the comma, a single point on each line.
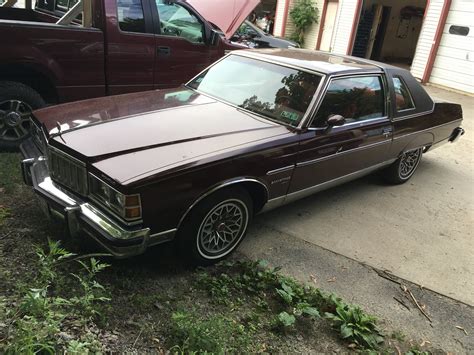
[355, 25]
[436, 41]
[285, 18]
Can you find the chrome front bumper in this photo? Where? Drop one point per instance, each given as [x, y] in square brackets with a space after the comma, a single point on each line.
[80, 216]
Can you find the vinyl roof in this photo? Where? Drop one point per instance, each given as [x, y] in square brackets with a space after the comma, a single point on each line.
[323, 62]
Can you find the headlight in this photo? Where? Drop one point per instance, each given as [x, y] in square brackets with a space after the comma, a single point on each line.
[126, 206]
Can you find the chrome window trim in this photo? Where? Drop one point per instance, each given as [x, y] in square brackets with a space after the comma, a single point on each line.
[295, 67]
[424, 113]
[348, 76]
[337, 154]
[399, 77]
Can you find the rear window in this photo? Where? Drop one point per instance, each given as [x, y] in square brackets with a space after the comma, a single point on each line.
[403, 99]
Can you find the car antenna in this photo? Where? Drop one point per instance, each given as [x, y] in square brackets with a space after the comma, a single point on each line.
[58, 126]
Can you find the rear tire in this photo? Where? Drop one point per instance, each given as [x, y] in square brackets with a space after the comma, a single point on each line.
[16, 103]
[215, 227]
[404, 167]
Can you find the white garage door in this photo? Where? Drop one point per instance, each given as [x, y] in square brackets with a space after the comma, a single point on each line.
[454, 64]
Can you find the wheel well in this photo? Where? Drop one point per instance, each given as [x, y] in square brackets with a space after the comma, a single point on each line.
[34, 79]
[257, 192]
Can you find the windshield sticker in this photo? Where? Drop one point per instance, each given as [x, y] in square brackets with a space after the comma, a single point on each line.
[292, 116]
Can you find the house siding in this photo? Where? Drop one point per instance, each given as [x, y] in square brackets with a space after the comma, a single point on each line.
[343, 26]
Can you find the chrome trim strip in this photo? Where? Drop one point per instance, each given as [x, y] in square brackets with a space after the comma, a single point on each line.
[283, 200]
[309, 162]
[427, 129]
[418, 114]
[218, 187]
[162, 237]
[281, 170]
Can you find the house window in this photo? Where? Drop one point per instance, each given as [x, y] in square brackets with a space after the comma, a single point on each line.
[459, 30]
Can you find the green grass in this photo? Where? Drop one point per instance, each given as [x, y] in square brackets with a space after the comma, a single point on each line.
[10, 171]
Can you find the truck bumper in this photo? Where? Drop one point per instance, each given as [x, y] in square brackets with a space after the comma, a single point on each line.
[80, 216]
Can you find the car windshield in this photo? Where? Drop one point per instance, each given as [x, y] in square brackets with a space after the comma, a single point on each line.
[274, 91]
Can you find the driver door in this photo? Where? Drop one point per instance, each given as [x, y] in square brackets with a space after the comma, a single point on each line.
[329, 154]
[181, 48]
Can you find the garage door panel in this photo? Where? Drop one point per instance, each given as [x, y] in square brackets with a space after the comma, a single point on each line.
[455, 53]
[461, 66]
[467, 6]
[453, 85]
[451, 76]
[470, 34]
[459, 18]
[455, 41]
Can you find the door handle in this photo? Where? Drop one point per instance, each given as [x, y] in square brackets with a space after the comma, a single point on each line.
[387, 132]
[164, 51]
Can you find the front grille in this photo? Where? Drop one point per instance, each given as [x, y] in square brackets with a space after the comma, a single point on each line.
[38, 136]
[68, 171]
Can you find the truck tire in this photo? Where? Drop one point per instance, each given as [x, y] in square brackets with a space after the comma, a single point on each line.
[17, 100]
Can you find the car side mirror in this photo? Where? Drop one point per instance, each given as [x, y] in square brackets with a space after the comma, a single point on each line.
[335, 120]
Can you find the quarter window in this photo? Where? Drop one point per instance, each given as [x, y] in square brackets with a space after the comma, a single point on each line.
[403, 98]
[356, 99]
[175, 20]
[130, 16]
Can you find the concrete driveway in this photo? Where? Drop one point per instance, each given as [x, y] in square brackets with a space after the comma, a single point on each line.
[420, 231]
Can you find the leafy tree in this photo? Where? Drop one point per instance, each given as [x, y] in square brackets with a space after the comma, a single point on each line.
[303, 15]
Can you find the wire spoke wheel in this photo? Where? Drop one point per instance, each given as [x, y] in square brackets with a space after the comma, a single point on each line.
[408, 163]
[222, 228]
[14, 120]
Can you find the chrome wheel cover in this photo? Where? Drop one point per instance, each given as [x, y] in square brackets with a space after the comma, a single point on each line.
[14, 120]
[222, 229]
[408, 163]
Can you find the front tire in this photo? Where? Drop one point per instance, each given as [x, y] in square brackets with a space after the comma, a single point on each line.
[404, 167]
[216, 226]
[16, 103]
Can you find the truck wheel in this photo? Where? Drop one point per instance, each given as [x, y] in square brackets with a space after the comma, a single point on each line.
[404, 167]
[216, 226]
[16, 103]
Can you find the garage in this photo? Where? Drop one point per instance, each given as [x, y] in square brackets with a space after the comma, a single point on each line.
[454, 63]
[388, 30]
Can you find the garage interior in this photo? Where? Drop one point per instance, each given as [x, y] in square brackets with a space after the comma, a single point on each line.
[388, 30]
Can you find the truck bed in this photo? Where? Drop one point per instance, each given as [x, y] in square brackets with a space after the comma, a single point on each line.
[14, 14]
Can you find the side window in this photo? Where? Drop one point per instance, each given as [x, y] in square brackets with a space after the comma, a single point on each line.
[130, 16]
[175, 20]
[356, 99]
[403, 98]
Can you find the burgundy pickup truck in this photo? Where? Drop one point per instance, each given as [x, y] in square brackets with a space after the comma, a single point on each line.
[125, 46]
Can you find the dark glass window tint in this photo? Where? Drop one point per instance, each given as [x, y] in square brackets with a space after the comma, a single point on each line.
[459, 30]
[403, 98]
[356, 99]
[130, 16]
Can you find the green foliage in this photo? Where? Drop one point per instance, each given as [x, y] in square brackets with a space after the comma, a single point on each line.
[356, 326]
[286, 319]
[303, 15]
[38, 319]
[216, 335]
[4, 214]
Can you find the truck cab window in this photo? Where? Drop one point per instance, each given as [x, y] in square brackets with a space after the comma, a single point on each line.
[356, 99]
[130, 16]
[177, 21]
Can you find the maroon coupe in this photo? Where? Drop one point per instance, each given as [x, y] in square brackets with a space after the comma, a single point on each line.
[255, 130]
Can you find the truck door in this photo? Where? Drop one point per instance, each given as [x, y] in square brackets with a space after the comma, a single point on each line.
[181, 47]
[131, 47]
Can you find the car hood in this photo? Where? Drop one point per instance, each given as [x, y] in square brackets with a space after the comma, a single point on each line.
[228, 15]
[130, 136]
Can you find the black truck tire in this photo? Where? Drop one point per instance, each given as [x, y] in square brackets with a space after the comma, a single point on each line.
[17, 100]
